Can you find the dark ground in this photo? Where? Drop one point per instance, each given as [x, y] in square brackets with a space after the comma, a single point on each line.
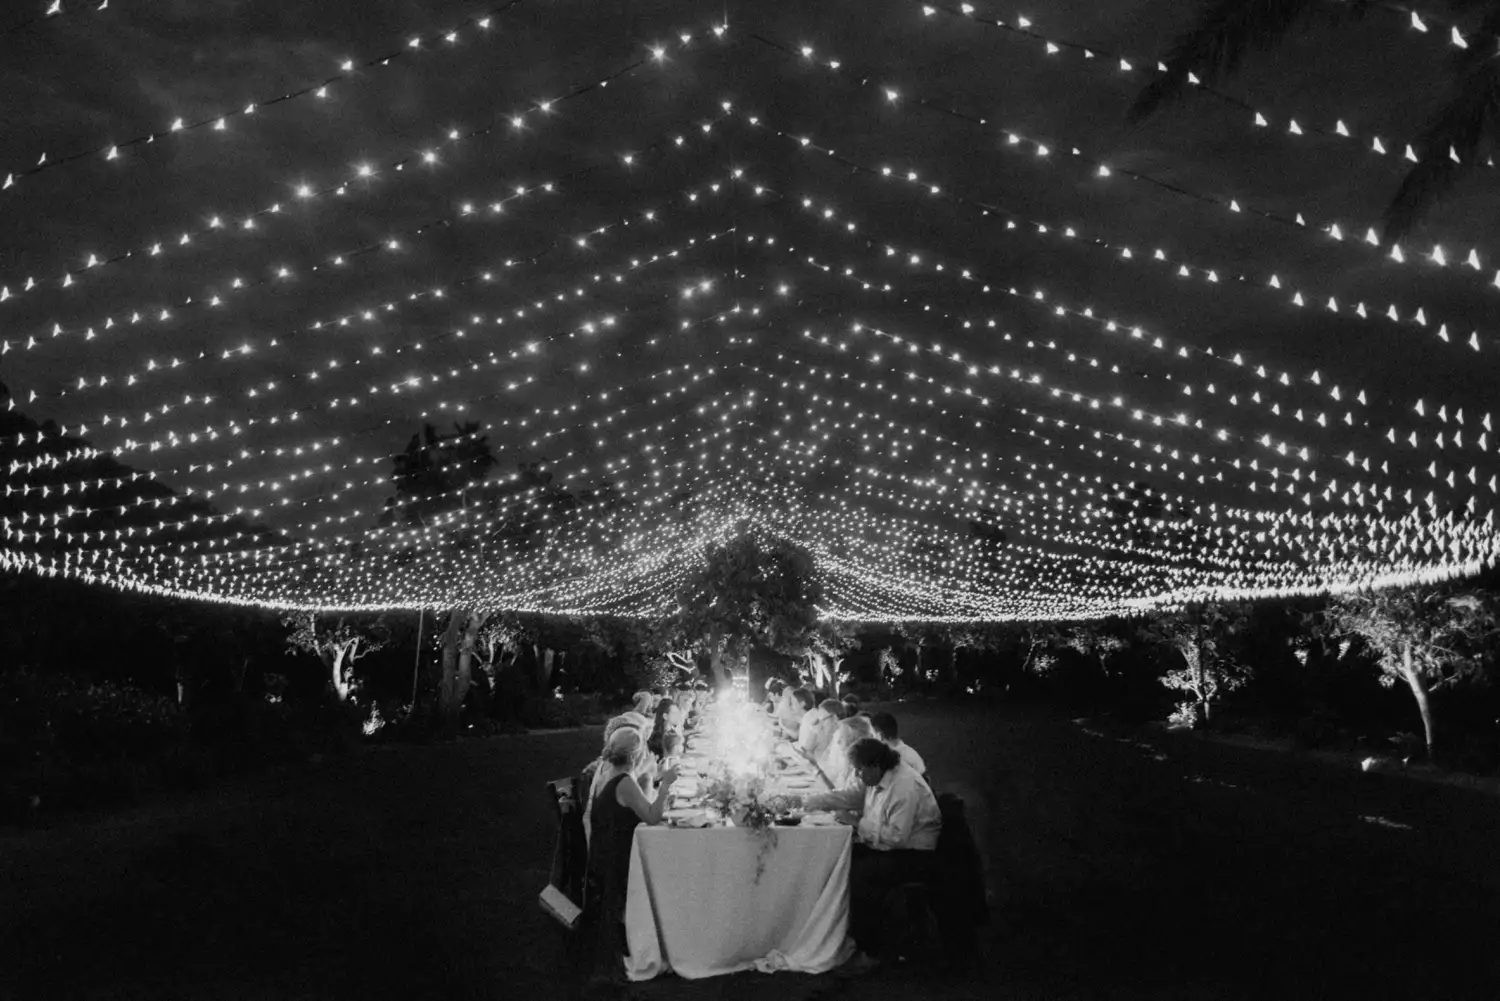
[1124, 864]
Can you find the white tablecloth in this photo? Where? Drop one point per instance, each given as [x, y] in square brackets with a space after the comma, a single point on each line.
[694, 905]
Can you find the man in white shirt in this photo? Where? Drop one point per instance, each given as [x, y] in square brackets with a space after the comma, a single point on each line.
[795, 706]
[898, 828]
[817, 729]
[885, 728]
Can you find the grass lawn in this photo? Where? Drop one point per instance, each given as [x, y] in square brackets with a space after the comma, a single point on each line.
[1123, 865]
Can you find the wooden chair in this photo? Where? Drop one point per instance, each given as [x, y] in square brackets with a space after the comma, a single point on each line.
[938, 916]
[570, 853]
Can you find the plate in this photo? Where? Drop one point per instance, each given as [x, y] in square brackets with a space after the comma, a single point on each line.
[819, 820]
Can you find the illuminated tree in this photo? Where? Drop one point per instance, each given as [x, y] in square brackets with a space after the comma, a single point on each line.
[1203, 638]
[825, 647]
[1452, 141]
[1092, 641]
[1428, 638]
[338, 644]
[745, 592]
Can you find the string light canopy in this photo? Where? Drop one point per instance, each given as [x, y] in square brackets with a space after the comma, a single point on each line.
[896, 288]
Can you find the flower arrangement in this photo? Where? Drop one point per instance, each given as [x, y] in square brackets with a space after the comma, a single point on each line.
[741, 798]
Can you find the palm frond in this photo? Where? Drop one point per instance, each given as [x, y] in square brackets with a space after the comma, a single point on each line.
[1214, 48]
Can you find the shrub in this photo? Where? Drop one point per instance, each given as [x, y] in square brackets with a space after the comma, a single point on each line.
[561, 710]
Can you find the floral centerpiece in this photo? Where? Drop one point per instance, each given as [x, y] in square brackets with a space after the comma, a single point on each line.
[742, 799]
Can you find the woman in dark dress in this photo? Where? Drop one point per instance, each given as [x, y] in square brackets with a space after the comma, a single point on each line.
[619, 807]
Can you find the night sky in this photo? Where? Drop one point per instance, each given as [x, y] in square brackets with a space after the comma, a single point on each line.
[378, 200]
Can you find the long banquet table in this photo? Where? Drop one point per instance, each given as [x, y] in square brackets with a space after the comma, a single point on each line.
[696, 904]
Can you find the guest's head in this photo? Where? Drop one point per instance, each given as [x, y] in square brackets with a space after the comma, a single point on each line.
[634, 721]
[854, 729]
[624, 749]
[885, 727]
[832, 707]
[872, 758]
[644, 702]
[851, 704]
[804, 699]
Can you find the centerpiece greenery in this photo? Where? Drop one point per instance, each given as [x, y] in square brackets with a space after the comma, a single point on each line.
[741, 798]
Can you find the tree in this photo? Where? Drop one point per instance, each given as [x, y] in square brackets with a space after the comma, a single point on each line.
[1202, 637]
[1426, 637]
[1094, 642]
[747, 592]
[337, 644]
[825, 648]
[433, 477]
[1227, 31]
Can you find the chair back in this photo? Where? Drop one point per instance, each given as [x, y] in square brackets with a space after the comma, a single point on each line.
[570, 853]
[959, 861]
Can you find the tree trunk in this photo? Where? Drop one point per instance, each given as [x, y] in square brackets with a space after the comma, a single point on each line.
[716, 658]
[1419, 692]
[834, 674]
[448, 702]
[335, 661]
[544, 663]
[464, 677]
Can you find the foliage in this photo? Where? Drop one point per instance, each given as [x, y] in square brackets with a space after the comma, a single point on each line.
[746, 592]
[1427, 638]
[432, 474]
[1094, 641]
[90, 720]
[338, 644]
[890, 665]
[825, 647]
[743, 799]
[1204, 639]
[1454, 138]
[69, 743]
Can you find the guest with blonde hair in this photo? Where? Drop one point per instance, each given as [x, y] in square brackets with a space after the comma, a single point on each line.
[818, 728]
[594, 774]
[621, 806]
[835, 760]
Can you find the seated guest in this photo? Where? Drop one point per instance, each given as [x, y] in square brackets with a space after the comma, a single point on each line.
[899, 824]
[887, 731]
[793, 709]
[851, 705]
[620, 807]
[645, 703]
[660, 727]
[671, 749]
[822, 720]
[835, 760]
[594, 774]
[825, 732]
[775, 695]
